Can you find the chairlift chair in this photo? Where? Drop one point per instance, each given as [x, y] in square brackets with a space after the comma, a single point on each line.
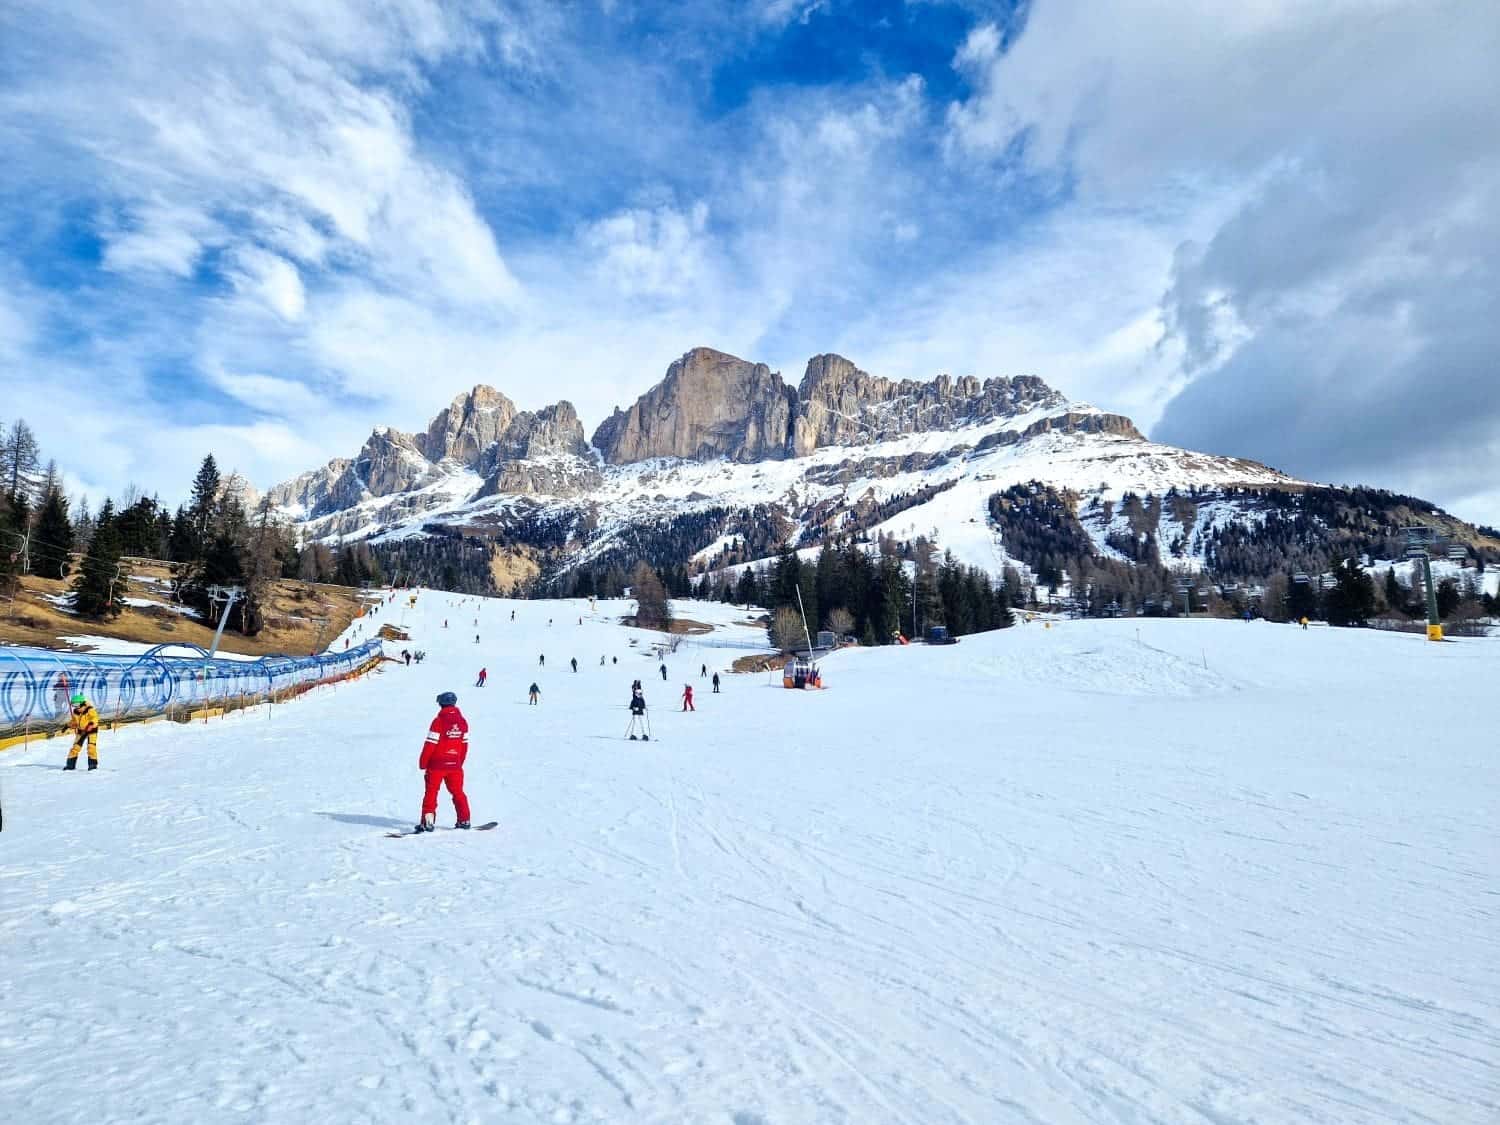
[800, 673]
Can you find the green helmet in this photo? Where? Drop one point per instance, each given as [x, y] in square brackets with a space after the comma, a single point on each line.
[78, 698]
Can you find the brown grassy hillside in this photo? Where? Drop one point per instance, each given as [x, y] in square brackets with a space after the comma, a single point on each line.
[301, 617]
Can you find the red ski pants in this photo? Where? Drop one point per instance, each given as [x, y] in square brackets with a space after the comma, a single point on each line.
[455, 783]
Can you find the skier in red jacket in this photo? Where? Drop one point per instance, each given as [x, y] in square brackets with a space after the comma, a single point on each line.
[442, 759]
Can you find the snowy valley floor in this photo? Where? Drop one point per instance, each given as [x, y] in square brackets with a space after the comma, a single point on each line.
[1104, 872]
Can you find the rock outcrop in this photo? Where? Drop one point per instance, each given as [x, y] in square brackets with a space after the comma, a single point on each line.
[709, 405]
[467, 427]
[838, 404]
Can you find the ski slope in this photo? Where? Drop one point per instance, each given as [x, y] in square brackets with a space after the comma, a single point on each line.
[1099, 872]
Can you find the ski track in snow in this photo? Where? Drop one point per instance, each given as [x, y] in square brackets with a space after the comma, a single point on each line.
[1206, 872]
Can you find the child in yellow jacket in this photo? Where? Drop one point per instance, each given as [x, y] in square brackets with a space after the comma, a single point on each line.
[84, 723]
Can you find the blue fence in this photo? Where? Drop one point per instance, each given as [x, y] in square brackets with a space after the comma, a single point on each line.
[36, 684]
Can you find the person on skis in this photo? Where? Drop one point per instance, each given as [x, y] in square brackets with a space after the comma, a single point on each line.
[83, 721]
[484, 674]
[687, 698]
[638, 717]
[716, 683]
[535, 693]
[541, 660]
[442, 762]
[664, 671]
[575, 663]
[702, 671]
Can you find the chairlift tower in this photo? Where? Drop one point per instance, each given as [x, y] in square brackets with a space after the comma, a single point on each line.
[228, 595]
[1420, 542]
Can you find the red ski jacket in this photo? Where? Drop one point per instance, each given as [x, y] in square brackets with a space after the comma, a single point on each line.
[447, 741]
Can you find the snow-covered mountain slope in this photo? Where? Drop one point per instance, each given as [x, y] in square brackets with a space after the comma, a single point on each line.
[1044, 875]
[723, 463]
[848, 466]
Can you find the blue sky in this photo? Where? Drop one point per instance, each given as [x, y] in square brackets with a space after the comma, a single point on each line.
[263, 226]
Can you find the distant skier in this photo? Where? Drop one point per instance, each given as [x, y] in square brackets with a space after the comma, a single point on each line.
[406, 656]
[601, 662]
[574, 662]
[476, 638]
[702, 671]
[484, 674]
[83, 721]
[687, 698]
[664, 672]
[442, 761]
[512, 615]
[535, 693]
[716, 683]
[1304, 622]
[541, 660]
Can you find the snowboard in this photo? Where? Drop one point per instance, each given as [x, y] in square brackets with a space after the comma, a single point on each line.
[485, 827]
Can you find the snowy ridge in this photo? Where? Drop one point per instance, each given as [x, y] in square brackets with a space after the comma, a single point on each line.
[974, 462]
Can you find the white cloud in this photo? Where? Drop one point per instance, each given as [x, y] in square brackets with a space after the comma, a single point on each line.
[270, 279]
[656, 252]
[158, 237]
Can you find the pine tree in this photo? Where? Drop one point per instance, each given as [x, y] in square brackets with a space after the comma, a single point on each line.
[181, 539]
[1352, 601]
[652, 609]
[1395, 596]
[19, 459]
[53, 538]
[10, 548]
[100, 576]
[203, 506]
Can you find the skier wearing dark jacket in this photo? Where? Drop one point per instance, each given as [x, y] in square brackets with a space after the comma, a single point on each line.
[637, 702]
[442, 760]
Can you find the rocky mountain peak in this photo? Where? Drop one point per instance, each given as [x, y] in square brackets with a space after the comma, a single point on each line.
[468, 426]
[710, 404]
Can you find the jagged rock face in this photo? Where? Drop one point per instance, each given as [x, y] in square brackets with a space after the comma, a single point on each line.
[552, 476]
[390, 462]
[838, 404]
[709, 405]
[550, 431]
[311, 489]
[467, 427]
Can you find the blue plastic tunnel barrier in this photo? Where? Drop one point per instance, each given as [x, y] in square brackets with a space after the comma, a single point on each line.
[36, 684]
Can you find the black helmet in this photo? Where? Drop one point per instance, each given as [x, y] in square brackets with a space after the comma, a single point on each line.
[447, 699]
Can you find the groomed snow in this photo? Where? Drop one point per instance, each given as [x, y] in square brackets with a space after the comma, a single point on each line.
[1121, 871]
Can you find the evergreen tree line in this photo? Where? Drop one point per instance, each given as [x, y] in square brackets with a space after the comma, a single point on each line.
[873, 596]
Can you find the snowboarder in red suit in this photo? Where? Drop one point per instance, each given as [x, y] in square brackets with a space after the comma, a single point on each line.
[687, 698]
[442, 760]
